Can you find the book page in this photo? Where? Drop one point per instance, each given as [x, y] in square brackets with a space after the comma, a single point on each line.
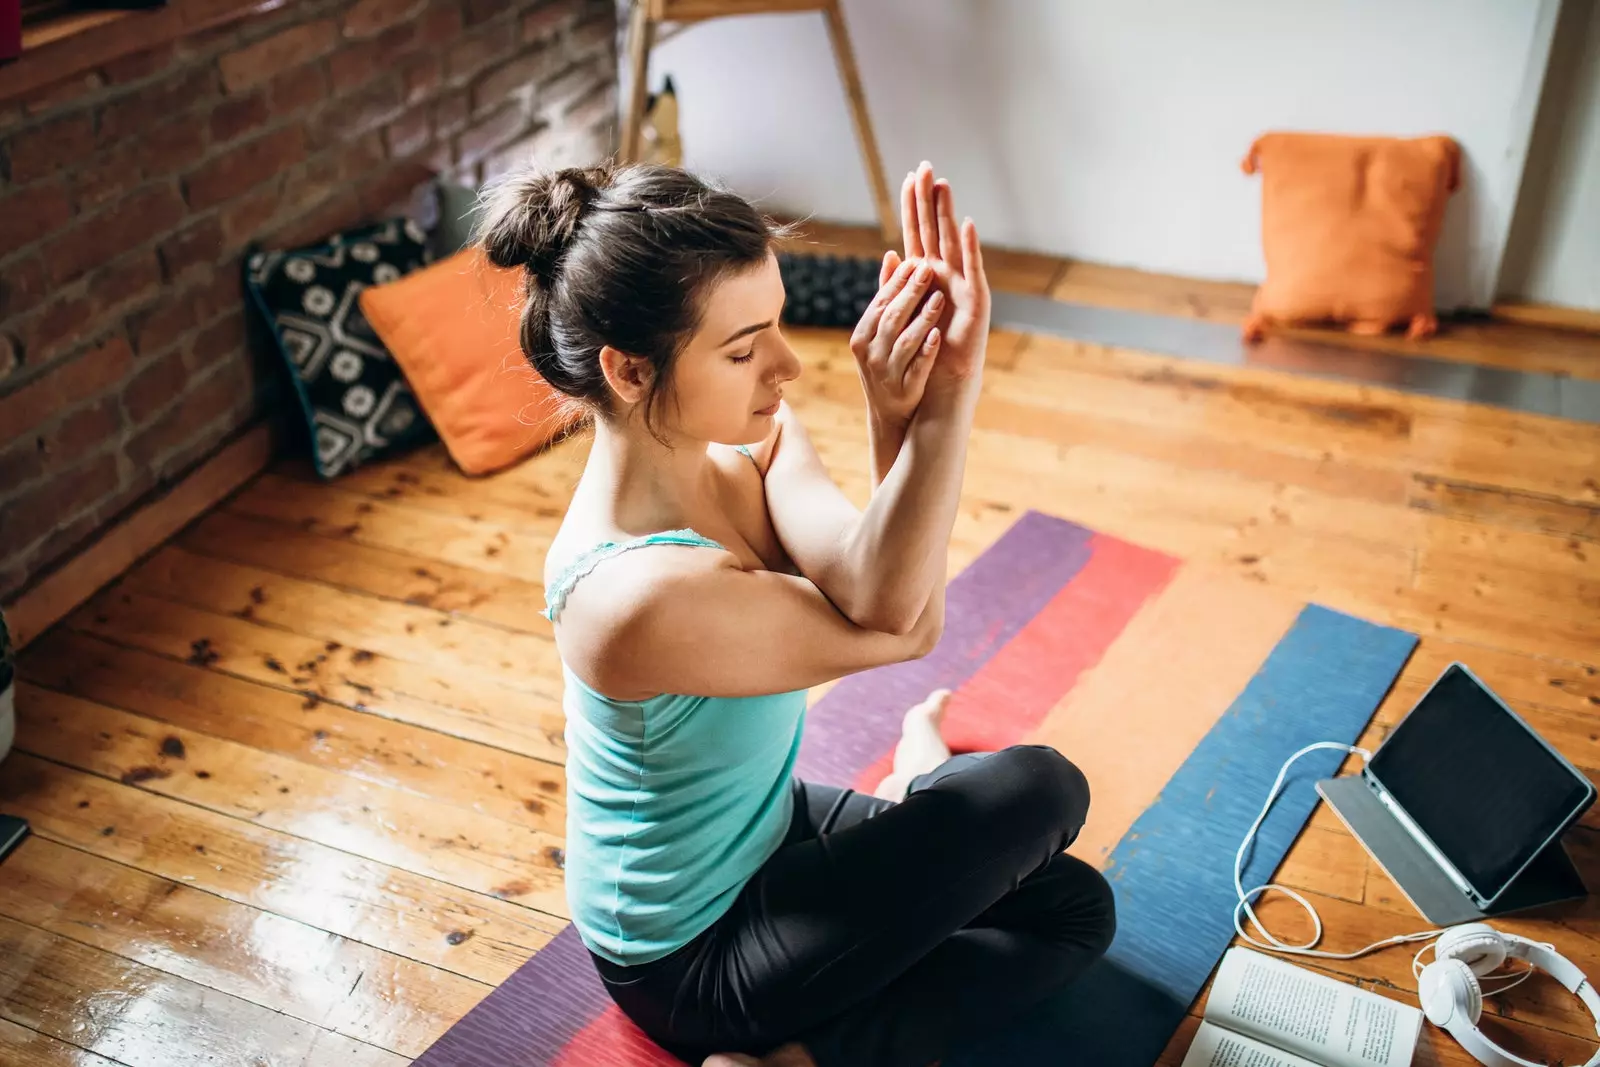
[1216, 1047]
[1311, 1014]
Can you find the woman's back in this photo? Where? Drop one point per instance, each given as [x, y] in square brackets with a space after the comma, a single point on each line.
[674, 801]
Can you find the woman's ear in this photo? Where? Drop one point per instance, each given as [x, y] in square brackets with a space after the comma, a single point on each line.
[628, 376]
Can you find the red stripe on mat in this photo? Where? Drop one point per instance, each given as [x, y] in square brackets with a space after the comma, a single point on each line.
[1012, 693]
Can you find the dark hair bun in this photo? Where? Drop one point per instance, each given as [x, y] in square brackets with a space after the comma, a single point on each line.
[531, 218]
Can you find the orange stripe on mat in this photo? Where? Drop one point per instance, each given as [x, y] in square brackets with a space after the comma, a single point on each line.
[1132, 720]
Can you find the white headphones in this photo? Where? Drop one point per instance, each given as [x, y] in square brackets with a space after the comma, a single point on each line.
[1449, 988]
[1453, 999]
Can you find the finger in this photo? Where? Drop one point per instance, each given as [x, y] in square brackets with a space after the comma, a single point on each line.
[972, 255]
[904, 305]
[909, 343]
[867, 328]
[916, 378]
[927, 222]
[891, 262]
[910, 233]
[949, 235]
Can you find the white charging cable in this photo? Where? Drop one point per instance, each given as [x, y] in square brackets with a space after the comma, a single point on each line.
[1243, 908]
[1309, 948]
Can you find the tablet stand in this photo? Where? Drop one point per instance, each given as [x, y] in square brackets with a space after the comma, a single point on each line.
[1550, 878]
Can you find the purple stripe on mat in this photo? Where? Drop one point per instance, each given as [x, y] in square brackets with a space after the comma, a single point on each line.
[539, 1009]
[858, 721]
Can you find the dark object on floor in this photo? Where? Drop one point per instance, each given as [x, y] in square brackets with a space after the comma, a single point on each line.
[356, 402]
[826, 290]
[12, 831]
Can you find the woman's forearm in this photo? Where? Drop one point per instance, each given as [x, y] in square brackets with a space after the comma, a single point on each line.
[897, 552]
[885, 436]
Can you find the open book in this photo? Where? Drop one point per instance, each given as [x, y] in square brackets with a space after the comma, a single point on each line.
[1264, 1012]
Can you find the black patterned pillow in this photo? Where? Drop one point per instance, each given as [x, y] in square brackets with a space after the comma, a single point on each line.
[827, 290]
[356, 401]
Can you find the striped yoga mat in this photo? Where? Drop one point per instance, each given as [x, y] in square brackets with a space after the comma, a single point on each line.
[1179, 693]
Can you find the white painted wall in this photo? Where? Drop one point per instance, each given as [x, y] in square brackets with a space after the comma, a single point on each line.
[1112, 132]
[1554, 253]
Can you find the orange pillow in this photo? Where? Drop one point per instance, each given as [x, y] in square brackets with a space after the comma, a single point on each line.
[453, 329]
[1348, 226]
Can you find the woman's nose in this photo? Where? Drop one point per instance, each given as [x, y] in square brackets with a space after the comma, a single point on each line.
[789, 364]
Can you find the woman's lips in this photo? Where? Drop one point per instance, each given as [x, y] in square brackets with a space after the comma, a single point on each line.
[772, 409]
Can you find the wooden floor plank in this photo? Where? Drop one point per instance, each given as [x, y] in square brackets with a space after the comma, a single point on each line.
[447, 644]
[29, 1048]
[504, 600]
[400, 829]
[143, 1017]
[279, 964]
[478, 936]
[444, 769]
[456, 703]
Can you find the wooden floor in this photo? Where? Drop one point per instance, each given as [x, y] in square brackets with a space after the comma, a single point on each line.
[296, 781]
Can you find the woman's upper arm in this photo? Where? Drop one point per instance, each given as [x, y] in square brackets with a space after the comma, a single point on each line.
[712, 629]
[810, 513]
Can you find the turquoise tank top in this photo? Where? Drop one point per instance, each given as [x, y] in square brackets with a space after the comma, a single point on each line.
[673, 803]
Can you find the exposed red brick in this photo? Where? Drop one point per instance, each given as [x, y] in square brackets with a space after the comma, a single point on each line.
[475, 53]
[242, 168]
[200, 243]
[243, 219]
[153, 387]
[390, 191]
[220, 340]
[339, 212]
[513, 78]
[106, 176]
[440, 23]
[64, 92]
[172, 146]
[358, 157]
[87, 376]
[102, 236]
[54, 502]
[59, 445]
[134, 112]
[547, 19]
[162, 325]
[140, 64]
[420, 76]
[598, 109]
[237, 116]
[28, 214]
[367, 18]
[297, 89]
[132, 279]
[356, 114]
[48, 147]
[478, 141]
[450, 113]
[598, 36]
[194, 411]
[56, 328]
[554, 96]
[409, 133]
[10, 360]
[514, 156]
[23, 284]
[260, 61]
[360, 61]
[478, 11]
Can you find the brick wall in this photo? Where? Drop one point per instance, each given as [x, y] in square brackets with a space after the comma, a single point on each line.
[128, 192]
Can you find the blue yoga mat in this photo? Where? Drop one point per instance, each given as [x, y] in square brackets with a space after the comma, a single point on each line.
[1172, 873]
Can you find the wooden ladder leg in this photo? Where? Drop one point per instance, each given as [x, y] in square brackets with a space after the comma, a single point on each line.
[888, 217]
[641, 34]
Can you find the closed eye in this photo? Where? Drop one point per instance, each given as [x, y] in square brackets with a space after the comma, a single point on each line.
[746, 358]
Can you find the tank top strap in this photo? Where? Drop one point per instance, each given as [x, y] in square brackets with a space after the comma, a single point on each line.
[555, 597]
[751, 456]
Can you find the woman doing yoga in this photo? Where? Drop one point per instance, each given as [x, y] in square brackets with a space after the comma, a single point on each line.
[708, 572]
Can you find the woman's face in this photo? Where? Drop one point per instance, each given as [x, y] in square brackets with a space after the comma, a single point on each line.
[727, 382]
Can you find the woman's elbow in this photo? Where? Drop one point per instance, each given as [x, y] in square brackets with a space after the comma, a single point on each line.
[886, 620]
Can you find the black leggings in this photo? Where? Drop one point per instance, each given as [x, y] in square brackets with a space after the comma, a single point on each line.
[880, 933]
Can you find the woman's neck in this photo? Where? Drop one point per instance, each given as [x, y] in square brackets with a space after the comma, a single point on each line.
[646, 484]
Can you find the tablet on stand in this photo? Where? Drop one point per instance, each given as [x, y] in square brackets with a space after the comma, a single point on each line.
[1464, 805]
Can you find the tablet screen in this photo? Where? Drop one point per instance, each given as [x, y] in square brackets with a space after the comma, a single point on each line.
[1477, 781]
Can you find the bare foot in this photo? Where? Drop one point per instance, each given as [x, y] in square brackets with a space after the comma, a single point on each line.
[921, 746]
[790, 1055]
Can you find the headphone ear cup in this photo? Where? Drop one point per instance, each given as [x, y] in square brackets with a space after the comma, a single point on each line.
[1478, 945]
[1450, 994]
